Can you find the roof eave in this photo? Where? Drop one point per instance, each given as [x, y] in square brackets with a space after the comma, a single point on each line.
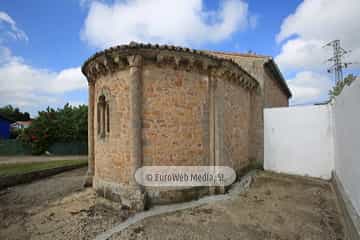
[273, 67]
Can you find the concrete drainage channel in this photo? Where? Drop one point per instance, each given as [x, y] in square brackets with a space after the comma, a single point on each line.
[237, 188]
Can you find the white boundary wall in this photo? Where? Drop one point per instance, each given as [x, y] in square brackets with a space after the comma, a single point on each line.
[299, 140]
[347, 141]
[317, 140]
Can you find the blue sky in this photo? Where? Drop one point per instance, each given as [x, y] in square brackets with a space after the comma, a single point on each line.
[43, 43]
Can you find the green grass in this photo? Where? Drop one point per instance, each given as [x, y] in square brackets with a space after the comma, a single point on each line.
[12, 169]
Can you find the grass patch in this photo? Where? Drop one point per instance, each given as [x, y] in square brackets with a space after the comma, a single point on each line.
[12, 169]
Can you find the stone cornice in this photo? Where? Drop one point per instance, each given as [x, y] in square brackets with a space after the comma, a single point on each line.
[122, 56]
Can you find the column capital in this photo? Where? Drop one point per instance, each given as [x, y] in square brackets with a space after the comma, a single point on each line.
[91, 85]
[135, 60]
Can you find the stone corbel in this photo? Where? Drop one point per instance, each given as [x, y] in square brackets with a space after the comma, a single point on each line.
[251, 85]
[247, 83]
[106, 62]
[220, 73]
[98, 68]
[91, 72]
[241, 80]
[118, 62]
[234, 78]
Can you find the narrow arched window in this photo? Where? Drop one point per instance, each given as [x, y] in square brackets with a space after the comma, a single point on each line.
[103, 116]
[107, 117]
[98, 118]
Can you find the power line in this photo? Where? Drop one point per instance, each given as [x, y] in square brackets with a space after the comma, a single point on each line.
[336, 60]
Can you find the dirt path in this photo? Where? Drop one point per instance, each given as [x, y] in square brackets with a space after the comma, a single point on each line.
[55, 208]
[27, 159]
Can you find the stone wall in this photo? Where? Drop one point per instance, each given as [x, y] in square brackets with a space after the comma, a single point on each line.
[175, 114]
[270, 94]
[236, 126]
[112, 162]
[256, 142]
[274, 96]
[253, 64]
[165, 106]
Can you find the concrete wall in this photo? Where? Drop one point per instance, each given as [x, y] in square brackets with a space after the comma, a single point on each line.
[317, 141]
[347, 143]
[299, 140]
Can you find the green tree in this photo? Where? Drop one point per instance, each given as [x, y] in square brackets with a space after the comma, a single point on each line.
[65, 124]
[339, 86]
[14, 114]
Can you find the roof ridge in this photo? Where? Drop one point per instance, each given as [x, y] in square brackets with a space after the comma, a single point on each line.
[239, 54]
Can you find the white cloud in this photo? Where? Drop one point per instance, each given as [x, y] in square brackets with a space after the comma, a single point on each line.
[304, 32]
[13, 31]
[299, 54]
[309, 87]
[5, 55]
[163, 21]
[32, 88]
[69, 79]
[24, 77]
[25, 86]
[324, 20]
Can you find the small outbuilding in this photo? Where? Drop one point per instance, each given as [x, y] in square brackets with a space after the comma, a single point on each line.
[159, 105]
[4, 127]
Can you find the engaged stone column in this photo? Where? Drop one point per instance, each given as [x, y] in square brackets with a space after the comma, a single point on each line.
[91, 153]
[219, 93]
[135, 63]
[216, 122]
[212, 86]
[136, 194]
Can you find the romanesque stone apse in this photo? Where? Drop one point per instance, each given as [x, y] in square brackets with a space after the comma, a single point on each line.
[160, 105]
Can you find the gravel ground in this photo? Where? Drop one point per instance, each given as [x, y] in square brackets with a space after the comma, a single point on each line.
[55, 208]
[275, 207]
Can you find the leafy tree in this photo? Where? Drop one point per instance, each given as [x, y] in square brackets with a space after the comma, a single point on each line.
[67, 124]
[14, 114]
[337, 89]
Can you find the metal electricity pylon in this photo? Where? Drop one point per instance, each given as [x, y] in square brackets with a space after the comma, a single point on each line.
[336, 60]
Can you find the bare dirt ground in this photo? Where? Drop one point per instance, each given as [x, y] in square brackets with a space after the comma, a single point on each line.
[27, 159]
[275, 207]
[55, 208]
